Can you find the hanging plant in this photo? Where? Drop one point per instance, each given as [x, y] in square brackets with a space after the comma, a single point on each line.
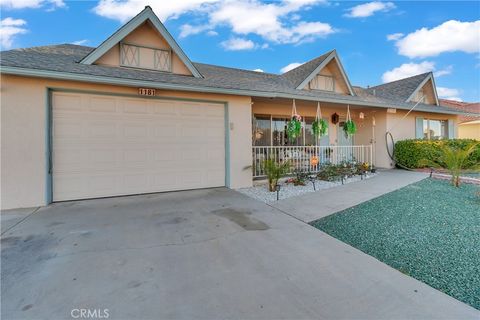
[319, 125]
[294, 126]
[319, 128]
[350, 128]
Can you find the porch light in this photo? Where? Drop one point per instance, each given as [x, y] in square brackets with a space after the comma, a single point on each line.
[361, 115]
[335, 118]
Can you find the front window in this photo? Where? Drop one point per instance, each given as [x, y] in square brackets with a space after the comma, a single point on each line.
[272, 131]
[435, 129]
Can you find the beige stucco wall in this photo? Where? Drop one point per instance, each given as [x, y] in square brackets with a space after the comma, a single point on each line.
[469, 130]
[144, 35]
[401, 129]
[24, 125]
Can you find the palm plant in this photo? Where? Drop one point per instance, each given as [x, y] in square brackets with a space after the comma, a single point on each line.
[455, 160]
[274, 171]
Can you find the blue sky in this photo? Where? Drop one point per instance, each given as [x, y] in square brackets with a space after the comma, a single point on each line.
[376, 41]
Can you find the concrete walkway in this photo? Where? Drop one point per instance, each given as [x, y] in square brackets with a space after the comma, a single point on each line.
[203, 254]
[316, 205]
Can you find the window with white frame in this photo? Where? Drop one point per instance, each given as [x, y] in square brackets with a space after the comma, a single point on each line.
[322, 82]
[145, 57]
[435, 129]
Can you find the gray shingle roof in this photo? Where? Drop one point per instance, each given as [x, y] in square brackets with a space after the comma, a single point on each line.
[399, 90]
[300, 73]
[64, 59]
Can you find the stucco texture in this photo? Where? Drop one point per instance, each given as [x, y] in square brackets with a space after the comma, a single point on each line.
[24, 135]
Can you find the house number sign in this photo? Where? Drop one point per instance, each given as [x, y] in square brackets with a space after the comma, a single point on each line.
[146, 92]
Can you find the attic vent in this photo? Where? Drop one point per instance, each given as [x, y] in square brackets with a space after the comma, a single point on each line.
[145, 58]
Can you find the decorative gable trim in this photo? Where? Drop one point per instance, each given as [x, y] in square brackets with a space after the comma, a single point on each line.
[420, 86]
[331, 56]
[126, 29]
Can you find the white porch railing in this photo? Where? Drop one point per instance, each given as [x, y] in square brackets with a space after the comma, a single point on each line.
[304, 158]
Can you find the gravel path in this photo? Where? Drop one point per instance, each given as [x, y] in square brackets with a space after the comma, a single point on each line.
[288, 190]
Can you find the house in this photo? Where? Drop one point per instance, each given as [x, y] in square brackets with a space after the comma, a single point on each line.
[468, 125]
[136, 115]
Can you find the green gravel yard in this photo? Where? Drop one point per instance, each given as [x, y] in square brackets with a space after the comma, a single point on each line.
[428, 230]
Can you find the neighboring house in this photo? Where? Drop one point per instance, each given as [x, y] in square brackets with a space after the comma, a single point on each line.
[468, 125]
[135, 115]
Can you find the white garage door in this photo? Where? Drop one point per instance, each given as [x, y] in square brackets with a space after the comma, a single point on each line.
[109, 145]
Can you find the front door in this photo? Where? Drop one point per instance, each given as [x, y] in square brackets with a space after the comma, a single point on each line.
[344, 152]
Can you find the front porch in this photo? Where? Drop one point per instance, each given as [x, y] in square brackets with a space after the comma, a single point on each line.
[306, 153]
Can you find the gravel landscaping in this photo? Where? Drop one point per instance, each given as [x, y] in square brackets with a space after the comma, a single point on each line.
[287, 190]
[428, 230]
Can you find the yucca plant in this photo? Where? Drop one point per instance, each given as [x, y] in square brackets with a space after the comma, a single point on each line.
[455, 160]
[274, 171]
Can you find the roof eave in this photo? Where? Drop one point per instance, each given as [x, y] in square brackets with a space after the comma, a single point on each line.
[195, 88]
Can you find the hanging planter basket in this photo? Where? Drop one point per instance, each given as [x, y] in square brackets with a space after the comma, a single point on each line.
[294, 126]
[319, 125]
[350, 128]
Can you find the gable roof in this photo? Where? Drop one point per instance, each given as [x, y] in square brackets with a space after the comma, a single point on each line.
[61, 62]
[146, 14]
[303, 74]
[403, 90]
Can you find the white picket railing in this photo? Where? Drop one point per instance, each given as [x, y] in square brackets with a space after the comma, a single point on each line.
[309, 158]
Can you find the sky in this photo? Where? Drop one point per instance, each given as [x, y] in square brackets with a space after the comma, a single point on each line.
[377, 41]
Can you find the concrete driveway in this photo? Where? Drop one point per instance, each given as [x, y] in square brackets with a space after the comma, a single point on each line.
[204, 254]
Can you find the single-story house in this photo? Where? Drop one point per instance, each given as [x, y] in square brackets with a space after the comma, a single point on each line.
[468, 124]
[134, 115]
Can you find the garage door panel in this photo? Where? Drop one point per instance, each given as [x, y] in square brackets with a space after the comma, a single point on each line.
[108, 145]
[102, 105]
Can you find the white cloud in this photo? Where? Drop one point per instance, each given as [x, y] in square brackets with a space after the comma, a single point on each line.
[447, 93]
[450, 36]
[394, 36]
[123, 10]
[407, 70]
[369, 9]
[80, 42]
[30, 4]
[188, 30]
[212, 33]
[291, 66]
[237, 44]
[9, 28]
[276, 21]
[443, 72]
[268, 20]
[258, 70]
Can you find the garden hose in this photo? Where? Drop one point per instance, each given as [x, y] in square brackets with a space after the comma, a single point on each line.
[389, 137]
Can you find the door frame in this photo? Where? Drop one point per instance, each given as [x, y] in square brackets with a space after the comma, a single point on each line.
[49, 128]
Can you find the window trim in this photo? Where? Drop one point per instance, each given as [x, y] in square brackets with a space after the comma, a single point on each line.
[428, 137]
[155, 50]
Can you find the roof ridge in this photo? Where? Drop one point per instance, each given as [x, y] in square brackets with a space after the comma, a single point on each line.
[395, 81]
[311, 60]
[240, 69]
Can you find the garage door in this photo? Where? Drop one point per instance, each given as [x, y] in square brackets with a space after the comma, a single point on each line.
[109, 145]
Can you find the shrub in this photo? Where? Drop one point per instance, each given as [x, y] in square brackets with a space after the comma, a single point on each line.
[454, 160]
[274, 171]
[412, 153]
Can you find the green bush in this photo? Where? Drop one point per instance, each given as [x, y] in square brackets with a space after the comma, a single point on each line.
[409, 153]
